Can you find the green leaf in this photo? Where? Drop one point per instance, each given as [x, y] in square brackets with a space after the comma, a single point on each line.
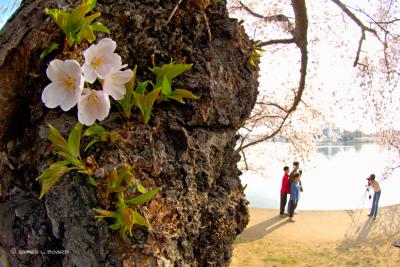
[74, 140]
[145, 103]
[60, 17]
[170, 70]
[255, 55]
[124, 173]
[99, 27]
[86, 33]
[78, 14]
[91, 3]
[68, 150]
[166, 86]
[89, 19]
[127, 221]
[51, 175]
[95, 129]
[57, 140]
[129, 86]
[179, 95]
[115, 226]
[53, 46]
[105, 213]
[92, 181]
[243, 188]
[141, 188]
[92, 142]
[143, 197]
[141, 88]
[139, 219]
[72, 160]
[127, 102]
[75, 25]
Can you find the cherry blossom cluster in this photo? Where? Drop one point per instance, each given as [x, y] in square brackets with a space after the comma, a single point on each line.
[67, 87]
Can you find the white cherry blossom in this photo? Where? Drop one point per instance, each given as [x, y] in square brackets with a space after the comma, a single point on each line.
[93, 105]
[66, 84]
[100, 60]
[114, 82]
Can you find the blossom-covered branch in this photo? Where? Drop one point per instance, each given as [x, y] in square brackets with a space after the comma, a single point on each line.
[300, 39]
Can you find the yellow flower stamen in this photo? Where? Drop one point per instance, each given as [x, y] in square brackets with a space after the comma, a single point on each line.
[69, 83]
[93, 100]
[96, 62]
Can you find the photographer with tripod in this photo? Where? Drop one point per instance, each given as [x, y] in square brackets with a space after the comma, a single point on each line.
[377, 194]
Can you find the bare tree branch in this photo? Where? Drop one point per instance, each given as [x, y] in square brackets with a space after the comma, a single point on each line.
[362, 38]
[388, 22]
[301, 20]
[259, 117]
[277, 18]
[272, 104]
[372, 19]
[277, 41]
[300, 39]
[264, 138]
[360, 24]
[245, 160]
[351, 15]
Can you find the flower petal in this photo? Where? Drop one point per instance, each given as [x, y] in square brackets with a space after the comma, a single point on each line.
[72, 68]
[53, 94]
[123, 76]
[93, 105]
[100, 60]
[85, 115]
[70, 100]
[67, 84]
[103, 109]
[106, 46]
[111, 63]
[117, 91]
[55, 70]
[89, 73]
[114, 84]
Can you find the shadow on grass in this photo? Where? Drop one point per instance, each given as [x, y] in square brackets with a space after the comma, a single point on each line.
[364, 230]
[261, 230]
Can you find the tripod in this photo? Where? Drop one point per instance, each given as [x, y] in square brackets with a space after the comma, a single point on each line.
[357, 213]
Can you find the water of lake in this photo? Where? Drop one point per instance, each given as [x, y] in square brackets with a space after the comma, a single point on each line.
[334, 179]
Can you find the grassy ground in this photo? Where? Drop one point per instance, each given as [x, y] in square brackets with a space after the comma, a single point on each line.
[337, 238]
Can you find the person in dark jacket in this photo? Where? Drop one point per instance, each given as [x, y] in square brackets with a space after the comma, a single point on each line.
[294, 196]
[285, 190]
[296, 169]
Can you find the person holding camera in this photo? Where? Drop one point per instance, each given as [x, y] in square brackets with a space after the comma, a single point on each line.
[377, 194]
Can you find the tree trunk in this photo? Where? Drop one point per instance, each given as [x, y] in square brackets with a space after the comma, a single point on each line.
[186, 150]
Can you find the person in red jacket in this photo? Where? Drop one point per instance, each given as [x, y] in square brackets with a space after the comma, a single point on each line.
[285, 189]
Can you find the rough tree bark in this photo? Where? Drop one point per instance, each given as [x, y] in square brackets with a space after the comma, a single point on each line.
[187, 150]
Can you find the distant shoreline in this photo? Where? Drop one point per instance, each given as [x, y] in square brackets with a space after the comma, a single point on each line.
[369, 140]
[326, 210]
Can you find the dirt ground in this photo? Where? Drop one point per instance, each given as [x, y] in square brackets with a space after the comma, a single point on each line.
[319, 238]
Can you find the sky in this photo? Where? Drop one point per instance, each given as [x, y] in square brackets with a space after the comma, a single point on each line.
[332, 82]
[7, 7]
